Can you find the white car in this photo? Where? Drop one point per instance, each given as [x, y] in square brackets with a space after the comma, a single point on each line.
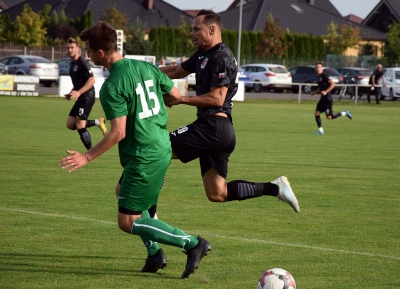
[274, 77]
[392, 79]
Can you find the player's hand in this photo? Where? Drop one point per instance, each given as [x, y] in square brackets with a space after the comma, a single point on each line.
[67, 96]
[74, 161]
[74, 95]
[324, 92]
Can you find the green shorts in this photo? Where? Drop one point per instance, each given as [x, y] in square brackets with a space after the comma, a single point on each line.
[140, 186]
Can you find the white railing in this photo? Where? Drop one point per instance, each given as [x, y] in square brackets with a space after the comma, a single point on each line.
[343, 87]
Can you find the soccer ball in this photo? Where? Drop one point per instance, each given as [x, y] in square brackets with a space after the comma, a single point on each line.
[276, 278]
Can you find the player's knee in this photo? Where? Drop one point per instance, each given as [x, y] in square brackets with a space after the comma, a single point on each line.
[329, 117]
[125, 226]
[216, 196]
[71, 126]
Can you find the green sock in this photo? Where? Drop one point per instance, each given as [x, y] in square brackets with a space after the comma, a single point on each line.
[159, 231]
[152, 247]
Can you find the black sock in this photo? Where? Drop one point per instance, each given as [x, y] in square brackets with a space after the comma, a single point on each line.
[318, 120]
[85, 138]
[243, 190]
[152, 211]
[90, 123]
[336, 115]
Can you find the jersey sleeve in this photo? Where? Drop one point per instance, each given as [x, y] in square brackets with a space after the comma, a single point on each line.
[166, 84]
[113, 104]
[224, 69]
[86, 68]
[190, 64]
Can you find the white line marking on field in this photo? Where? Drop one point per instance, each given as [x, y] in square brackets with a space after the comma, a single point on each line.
[211, 235]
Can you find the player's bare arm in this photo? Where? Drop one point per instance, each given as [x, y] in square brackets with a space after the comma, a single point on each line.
[172, 96]
[76, 159]
[75, 94]
[174, 71]
[215, 97]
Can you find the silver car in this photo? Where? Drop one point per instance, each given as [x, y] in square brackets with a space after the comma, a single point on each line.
[32, 65]
[65, 63]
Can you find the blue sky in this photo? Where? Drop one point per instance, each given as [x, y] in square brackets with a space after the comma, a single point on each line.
[360, 8]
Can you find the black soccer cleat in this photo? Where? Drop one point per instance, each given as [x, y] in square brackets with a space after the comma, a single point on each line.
[155, 262]
[195, 255]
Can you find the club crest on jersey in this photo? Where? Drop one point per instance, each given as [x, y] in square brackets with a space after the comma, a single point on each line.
[204, 63]
[75, 67]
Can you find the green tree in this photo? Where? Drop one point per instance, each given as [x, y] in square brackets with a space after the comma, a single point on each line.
[29, 30]
[135, 39]
[339, 39]
[171, 41]
[272, 40]
[290, 40]
[233, 41]
[153, 37]
[60, 28]
[245, 46]
[114, 17]
[6, 28]
[184, 42]
[391, 48]
[225, 36]
[162, 34]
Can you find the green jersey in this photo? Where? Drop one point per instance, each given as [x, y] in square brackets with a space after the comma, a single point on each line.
[135, 89]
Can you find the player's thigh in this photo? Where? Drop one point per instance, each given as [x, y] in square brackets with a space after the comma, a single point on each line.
[140, 186]
[82, 108]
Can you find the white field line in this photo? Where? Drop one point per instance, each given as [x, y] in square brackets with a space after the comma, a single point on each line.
[211, 235]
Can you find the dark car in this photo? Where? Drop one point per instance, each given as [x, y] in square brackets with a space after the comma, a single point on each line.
[307, 74]
[355, 75]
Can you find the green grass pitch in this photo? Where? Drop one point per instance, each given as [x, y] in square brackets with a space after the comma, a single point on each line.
[58, 230]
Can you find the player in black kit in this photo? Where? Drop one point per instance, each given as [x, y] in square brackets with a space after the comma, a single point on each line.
[83, 94]
[211, 138]
[325, 86]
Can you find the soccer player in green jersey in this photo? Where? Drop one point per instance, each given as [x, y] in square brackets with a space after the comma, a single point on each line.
[133, 98]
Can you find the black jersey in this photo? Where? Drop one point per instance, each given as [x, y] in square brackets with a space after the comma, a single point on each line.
[80, 72]
[378, 74]
[323, 84]
[216, 67]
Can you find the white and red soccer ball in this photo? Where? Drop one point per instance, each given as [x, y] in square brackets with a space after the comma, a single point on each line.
[276, 278]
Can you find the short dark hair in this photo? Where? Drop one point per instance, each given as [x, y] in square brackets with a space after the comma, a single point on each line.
[211, 17]
[319, 62]
[101, 36]
[73, 40]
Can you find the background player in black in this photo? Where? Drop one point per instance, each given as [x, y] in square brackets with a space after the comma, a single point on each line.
[211, 138]
[325, 86]
[373, 81]
[83, 94]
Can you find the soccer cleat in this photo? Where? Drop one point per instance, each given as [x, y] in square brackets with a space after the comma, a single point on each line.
[319, 132]
[195, 255]
[286, 194]
[155, 262]
[348, 114]
[102, 126]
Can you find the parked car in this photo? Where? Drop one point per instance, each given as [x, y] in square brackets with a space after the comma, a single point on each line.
[65, 63]
[355, 75]
[392, 79]
[3, 69]
[32, 65]
[242, 76]
[246, 78]
[307, 74]
[268, 76]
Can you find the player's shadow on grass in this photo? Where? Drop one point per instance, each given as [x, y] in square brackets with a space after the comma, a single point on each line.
[74, 264]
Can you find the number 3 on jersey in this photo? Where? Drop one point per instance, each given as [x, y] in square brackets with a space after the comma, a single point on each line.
[147, 112]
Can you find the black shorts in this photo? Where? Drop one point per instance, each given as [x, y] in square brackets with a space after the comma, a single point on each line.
[325, 105]
[212, 140]
[83, 106]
